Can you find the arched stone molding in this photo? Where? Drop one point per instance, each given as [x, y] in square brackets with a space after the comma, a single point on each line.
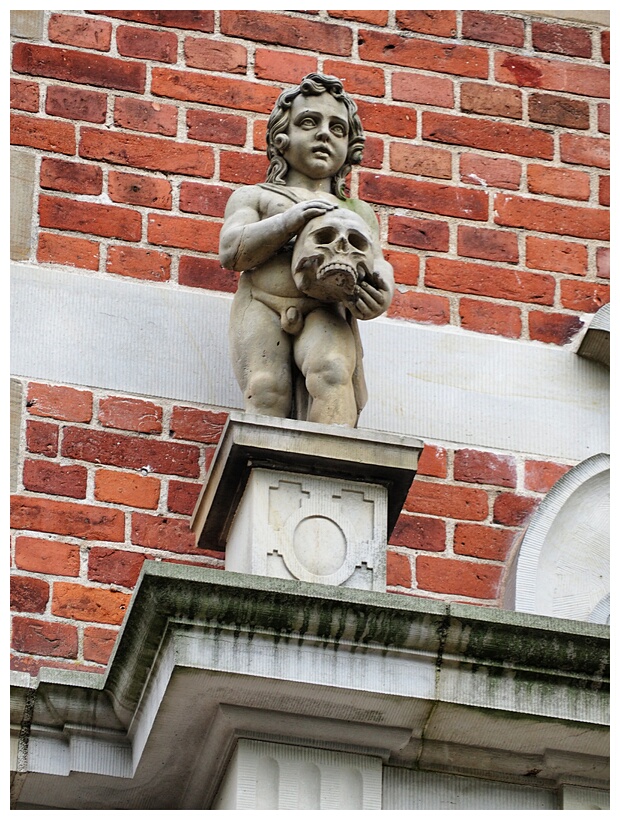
[562, 568]
[595, 343]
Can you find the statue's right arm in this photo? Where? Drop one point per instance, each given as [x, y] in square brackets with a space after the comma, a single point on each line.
[247, 241]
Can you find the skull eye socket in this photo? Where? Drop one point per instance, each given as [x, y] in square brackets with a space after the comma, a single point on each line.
[324, 236]
[358, 241]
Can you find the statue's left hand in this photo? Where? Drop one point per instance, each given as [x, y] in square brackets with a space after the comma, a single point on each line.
[372, 299]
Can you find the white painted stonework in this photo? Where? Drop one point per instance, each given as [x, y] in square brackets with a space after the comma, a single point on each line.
[276, 776]
[310, 528]
[436, 383]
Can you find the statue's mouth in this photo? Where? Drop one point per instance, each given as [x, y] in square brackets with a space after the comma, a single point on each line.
[321, 150]
[335, 268]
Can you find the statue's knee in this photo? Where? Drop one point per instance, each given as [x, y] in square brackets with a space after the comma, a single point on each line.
[266, 391]
[332, 370]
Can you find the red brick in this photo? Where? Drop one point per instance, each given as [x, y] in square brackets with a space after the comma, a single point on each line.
[68, 250]
[242, 168]
[563, 111]
[29, 594]
[42, 438]
[494, 172]
[130, 414]
[82, 32]
[424, 234]
[136, 189]
[551, 217]
[558, 182]
[192, 20]
[55, 479]
[198, 272]
[556, 255]
[151, 153]
[98, 644]
[398, 570]
[213, 126]
[602, 263]
[478, 467]
[480, 541]
[422, 89]
[127, 488]
[139, 263]
[493, 28]
[82, 603]
[33, 665]
[427, 55]
[448, 502]
[357, 79]
[586, 297]
[287, 31]
[437, 23]
[552, 75]
[133, 41]
[406, 266]
[575, 42]
[284, 66]
[373, 152]
[489, 280]
[110, 566]
[46, 135]
[396, 120]
[79, 67]
[183, 232]
[603, 113]
[488, 317]
[56, 640]
[142, 115]
[182, 496]
[540, 476]
[67, 518]
[47, 556]
[24, 95]
[227, 92]
[71, 177]
[487, 134]
[424, 308]
[197, 425]
[492, 100]
[513, 510]
[421, 160]
[605, 46]
[198, 198]
[419, 533]
[553, 328]
[212, 55]
[420, 195]
[163, 533]
[373, 18]
[433, 461]
[90, 217]
[473, 579]
[603, 191]
[131, 452]
[63, 403]
[76, 104]
[483, 243]
[581, 150]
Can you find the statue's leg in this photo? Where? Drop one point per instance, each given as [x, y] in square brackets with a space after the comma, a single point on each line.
[326, 355]
[261, 355]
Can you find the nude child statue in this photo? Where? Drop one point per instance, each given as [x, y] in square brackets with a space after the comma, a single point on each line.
[294, 339]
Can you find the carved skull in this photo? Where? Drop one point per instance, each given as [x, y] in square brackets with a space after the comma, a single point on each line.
[332, 255]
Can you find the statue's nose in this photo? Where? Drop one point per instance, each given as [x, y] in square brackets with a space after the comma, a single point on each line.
[322, 132]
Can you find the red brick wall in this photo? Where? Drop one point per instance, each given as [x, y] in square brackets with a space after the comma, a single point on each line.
[488, 168]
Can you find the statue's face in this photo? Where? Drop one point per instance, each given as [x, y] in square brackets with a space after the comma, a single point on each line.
[319, 136]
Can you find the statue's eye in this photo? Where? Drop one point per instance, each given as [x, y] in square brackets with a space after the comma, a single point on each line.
[339, 130]
[324, 236]
[307, 122]
[358, 241]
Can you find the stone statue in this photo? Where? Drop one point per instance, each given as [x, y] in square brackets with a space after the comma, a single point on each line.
[311, 263]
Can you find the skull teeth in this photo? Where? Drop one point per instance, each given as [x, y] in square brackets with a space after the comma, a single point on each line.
[332, 267]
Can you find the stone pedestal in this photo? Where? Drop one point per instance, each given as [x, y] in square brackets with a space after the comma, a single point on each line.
[303, 501]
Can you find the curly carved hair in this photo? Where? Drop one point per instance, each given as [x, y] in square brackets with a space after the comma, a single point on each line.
[277, 138]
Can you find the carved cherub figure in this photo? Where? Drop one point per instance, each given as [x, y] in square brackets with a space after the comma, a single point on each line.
[294, 339]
